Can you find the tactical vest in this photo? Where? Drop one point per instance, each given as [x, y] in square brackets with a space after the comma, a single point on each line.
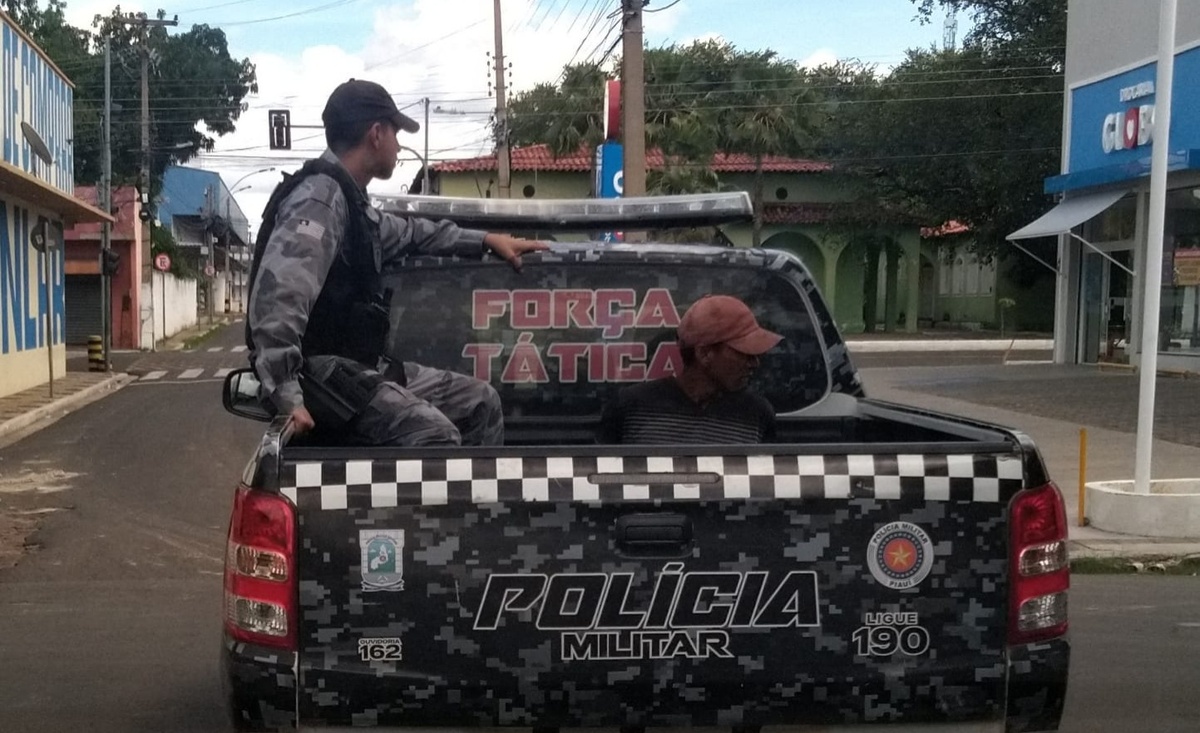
[350, 317]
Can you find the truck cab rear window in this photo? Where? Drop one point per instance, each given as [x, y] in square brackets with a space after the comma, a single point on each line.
[559, 338]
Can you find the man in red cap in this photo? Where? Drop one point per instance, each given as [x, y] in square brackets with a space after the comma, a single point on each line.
[720, 342]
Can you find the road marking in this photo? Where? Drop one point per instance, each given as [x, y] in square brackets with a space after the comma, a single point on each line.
[215, 349]
[238, 349]
[38, 482]
[222, 373]
[176, 382]
[153, 375]
[191, 374]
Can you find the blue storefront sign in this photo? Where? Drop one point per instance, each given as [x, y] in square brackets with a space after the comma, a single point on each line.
[610, 170]
[610, 178]
[1112, 126]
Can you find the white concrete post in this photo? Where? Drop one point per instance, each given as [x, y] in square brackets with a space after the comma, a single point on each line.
[1154, 249]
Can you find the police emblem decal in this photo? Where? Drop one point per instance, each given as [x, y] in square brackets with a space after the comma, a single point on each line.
[382, 552]
[900, 555]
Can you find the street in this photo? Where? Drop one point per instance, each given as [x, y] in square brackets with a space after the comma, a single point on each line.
[112, 622]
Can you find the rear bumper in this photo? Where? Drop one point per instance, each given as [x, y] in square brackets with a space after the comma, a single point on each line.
[260, 688]
[259, 685]
[996, 727]
[1037, 685]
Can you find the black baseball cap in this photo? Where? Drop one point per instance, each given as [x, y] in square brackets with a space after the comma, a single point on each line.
[358, 100]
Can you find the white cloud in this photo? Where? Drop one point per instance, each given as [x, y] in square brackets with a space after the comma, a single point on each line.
[81, 13]
[434, 48]
[710, 36]
[662, 23]
[820, 57]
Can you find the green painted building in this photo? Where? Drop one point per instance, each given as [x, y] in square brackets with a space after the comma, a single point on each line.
[905, 292]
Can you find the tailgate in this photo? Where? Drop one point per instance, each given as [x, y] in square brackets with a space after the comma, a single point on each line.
[652, 590]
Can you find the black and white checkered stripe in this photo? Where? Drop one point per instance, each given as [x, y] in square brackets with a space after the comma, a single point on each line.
[375, 484]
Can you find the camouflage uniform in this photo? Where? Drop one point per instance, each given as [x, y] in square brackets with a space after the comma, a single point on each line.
[435, 407]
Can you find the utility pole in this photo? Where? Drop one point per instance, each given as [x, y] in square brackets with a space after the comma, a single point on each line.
[146, 23]
[633, 103]
[502, 155]
[106, 203]
[210, 208]
[425, 165]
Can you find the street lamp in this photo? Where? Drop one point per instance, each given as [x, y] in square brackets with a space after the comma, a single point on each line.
[241, 287]
[167, 149]
[424, 167]
[251, 173]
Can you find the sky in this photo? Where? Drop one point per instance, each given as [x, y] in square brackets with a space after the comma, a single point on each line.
[440, 49]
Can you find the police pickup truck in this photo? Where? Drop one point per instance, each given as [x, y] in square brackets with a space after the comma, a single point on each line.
[876, 567]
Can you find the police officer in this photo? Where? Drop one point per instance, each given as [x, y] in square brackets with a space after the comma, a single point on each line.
[318, 316]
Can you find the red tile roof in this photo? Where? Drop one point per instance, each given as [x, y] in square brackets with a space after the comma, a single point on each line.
[539, 158]
[945, 230]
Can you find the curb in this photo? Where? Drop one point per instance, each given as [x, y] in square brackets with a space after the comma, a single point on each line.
[63, 406]
[1131, 549]
[176, 342]
[870, 346]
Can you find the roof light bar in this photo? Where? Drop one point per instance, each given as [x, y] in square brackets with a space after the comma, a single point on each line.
[578, 215]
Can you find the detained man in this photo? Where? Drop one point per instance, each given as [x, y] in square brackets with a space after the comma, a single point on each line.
[708, 401]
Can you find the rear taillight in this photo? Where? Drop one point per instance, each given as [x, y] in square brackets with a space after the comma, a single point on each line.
[1039, 566]
[260, 570]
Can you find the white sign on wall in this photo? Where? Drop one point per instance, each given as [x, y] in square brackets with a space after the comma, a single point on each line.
[1133, 128]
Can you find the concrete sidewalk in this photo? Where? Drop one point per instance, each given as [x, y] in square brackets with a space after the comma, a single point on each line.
[33, 409]
[1110, 452]
[874, 346]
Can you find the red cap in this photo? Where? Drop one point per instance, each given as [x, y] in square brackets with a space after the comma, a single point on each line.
[723, 319]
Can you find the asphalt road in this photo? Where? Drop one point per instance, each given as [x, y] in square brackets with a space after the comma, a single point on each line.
[113, 623]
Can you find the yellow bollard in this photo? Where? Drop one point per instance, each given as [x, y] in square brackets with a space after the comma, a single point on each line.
[1082, 477]
[95, 354]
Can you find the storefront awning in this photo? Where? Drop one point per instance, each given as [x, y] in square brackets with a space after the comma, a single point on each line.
[1067, 215]
[19, 184]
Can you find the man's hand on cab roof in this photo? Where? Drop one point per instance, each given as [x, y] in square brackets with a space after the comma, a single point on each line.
[510, 248]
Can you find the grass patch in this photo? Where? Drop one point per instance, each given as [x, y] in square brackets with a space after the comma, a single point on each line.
[199, 339]
[1130, 566]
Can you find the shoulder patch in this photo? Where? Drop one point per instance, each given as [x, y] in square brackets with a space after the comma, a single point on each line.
[309, 228]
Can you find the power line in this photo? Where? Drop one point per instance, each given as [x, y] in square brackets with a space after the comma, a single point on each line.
[598, 15]
[665, 7]
[425, 45]
[820, 103]
[545, 6]
[298, 13]
[214, 7]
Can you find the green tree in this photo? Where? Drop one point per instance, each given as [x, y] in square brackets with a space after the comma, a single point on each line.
[565, 116]
[965, 135]
[701, 99]
[1037, 28]
[711, 97]
[193, 79]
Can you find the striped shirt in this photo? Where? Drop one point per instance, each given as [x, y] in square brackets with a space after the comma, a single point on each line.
[660, 412]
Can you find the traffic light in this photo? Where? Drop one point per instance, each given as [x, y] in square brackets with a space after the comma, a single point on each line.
[110, 260]
[279, 129]
[143, 198]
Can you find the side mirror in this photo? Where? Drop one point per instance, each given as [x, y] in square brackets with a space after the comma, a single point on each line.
[240, 395]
